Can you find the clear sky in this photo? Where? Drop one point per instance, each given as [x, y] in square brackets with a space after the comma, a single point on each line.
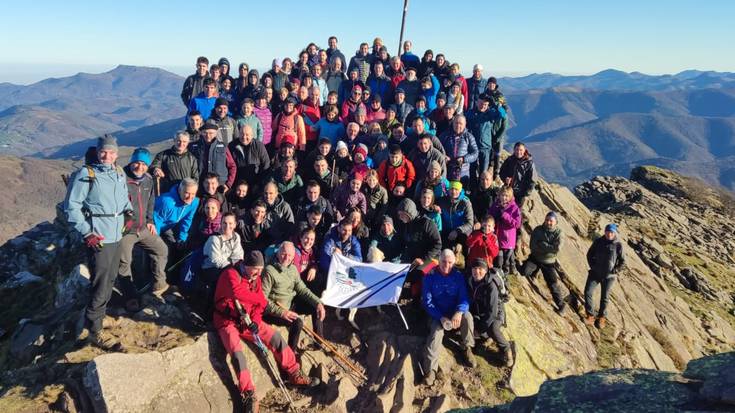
[54, 38]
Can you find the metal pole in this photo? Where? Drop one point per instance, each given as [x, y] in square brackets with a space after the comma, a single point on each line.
[403, 26]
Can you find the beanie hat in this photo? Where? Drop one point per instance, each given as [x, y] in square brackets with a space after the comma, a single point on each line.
[393, 108]
[408, 207]
[141, 155]
[357, 176]
[455, 185]
[492, 79]
[478, 67]
[360, 110]
[277, 62]
[611, 228]
[434, 165]
[551, 215]
[479, 262]
[387, 218]
[288, 139]
[254, 259]
[107, 143]
[376, 98]
[362, 149]
[356, 88]
[442, 96]
[220, 102]
[341, 145]
[399, 90]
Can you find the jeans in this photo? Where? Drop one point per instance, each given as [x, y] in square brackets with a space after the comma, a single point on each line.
[589, 290]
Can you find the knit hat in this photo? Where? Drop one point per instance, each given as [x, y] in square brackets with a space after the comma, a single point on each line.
[141, 155]
[399, 90]
[341, 145]
[478, 67]
[362, 149]
[434, 165]
[360, 111]
[387, 218]
[611, 228]
[455, 185]
[357, 176]
[410, 68]
[376, 98]
[551, 215]
[441, 95]
[107, 143]
[254, 259]
[492, 79]
[290, 99]
[220, 102]
[357, 88]
[277, 62]
[392, 108]
[288, 140]
[408, 207]
[479, 262]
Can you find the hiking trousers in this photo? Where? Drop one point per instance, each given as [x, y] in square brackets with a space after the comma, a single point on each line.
[494, 333]
[436, 335]
[155, 247]
[104, 264]
[531, 267]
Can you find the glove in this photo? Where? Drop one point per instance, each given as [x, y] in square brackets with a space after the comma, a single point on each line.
[94, 241]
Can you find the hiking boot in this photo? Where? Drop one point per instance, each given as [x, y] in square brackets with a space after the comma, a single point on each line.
[103, 340]
[600, 322]
[430, 378]
[508, 357]
[589, 320]
[160, 288]
[469, 358]
[561, 307]
[300, 380]
[249, 402]
[83, 335]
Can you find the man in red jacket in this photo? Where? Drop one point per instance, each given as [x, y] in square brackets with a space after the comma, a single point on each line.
[241, 282]
[396, 169]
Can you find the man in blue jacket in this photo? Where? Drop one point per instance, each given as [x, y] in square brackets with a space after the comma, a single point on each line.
[444, 297]
[487, 122]
[340, 241]
[174, 212]
[96, 204]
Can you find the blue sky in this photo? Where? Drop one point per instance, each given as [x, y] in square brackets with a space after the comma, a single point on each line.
[55, 38]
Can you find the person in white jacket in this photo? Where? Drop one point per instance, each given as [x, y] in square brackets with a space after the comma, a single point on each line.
[220, 251]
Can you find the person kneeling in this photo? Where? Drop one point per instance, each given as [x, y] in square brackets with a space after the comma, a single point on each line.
[486, 306]
[241, 283]
[444, 296]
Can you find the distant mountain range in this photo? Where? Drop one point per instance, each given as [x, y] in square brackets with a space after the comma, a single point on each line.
[56, 112]
[576, 126]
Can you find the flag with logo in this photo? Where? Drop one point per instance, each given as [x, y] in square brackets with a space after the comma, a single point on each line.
[354, 284]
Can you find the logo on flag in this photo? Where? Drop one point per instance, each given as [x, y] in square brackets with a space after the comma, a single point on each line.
[354, 284]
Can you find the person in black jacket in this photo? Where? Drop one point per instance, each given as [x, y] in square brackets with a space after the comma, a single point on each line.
[251, 158]
[421, 241]
[486, 306]
[519, 173]
[253, 229]
[605, 258]
[141, 230]
[194, 84]
[174, 164]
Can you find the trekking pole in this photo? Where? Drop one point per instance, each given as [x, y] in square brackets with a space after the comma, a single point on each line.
[330, 347]
[174, 265]
[158, 186]
[334, 165]
[264, 351]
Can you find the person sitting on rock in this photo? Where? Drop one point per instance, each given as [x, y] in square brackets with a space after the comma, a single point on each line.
[486, 306]
[444, 297]
[605, 258]
[241, 283]
[546, 240]
[220, 251]
[507, 221]
[288, 296]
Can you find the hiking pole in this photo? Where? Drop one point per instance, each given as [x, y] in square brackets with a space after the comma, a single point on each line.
[158, 186]
[174, 265]
[330, 347]
[264, 351]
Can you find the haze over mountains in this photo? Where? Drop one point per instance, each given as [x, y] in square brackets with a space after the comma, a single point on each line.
[576, 126]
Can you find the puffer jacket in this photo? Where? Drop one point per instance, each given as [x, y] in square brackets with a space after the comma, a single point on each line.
[175, 167]
[605, 257]
[522, 174]
[457, 214]
[281, 284]
[171, 213]
[461, 146]
[507, 222]
[486, 306]
[266, 120]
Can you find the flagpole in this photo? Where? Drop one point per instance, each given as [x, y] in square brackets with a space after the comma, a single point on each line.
[403, 25]
[398, 307]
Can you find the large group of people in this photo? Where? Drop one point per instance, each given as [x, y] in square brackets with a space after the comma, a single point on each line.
[378, 158]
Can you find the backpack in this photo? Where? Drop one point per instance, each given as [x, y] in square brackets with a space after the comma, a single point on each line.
[498, 278]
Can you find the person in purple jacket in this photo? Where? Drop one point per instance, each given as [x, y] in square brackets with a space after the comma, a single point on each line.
[508, 220]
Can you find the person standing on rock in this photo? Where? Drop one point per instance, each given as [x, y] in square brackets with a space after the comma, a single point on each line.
[142, 232]
[96, 205]
[444, 297]
[518, 172]
[507, 217]
[194, 84]
[241, 283]
[605, 258]
[484, 286]
[174, 164]
[546, 240]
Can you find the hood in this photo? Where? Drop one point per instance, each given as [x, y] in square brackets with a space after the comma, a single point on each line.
[255, 73]
[409, 207]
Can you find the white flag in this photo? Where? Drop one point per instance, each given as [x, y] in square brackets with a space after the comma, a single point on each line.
[354, 284]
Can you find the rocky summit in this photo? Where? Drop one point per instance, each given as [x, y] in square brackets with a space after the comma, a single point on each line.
[671, 324]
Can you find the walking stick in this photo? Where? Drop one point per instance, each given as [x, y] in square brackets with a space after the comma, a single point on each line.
[264, 351]
[330, 347]
[158, 186]
[174, 265]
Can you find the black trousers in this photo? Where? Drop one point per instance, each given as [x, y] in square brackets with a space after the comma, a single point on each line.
[531, 267]
[104, 265]
[295, 327]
